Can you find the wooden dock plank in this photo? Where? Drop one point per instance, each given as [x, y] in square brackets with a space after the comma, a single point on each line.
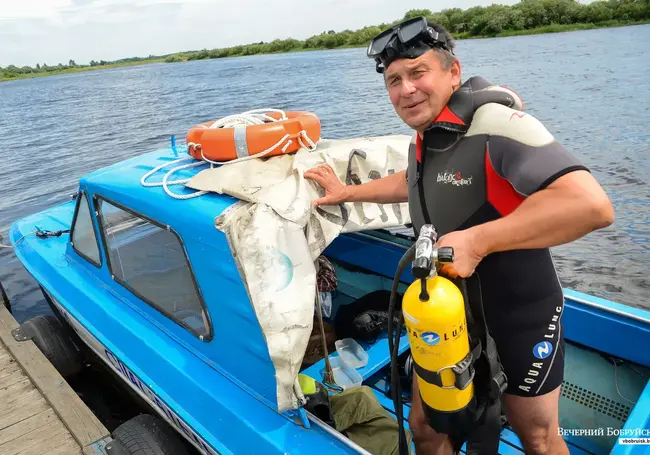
[20, 401]
[50, 437]
[26, 426]
[11, 378]
[81, 423]
[4, 357]
[7, 362]
[10, 373]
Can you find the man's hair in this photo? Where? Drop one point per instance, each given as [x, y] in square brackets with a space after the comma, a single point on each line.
[446, 57]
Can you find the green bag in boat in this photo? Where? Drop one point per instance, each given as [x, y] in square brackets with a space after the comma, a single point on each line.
[360, 417]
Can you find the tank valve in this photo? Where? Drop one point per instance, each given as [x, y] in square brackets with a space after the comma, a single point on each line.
[428, 258]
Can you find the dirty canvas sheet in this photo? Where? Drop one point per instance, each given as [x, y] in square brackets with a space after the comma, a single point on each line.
[276, 235]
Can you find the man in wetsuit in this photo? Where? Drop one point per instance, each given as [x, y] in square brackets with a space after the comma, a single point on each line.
[501, 191]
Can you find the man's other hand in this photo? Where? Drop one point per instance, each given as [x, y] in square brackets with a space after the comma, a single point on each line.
[466, 253]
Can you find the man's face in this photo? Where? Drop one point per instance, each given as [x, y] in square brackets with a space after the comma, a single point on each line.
[420, 88]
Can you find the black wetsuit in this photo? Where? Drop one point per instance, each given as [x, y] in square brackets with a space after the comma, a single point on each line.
[476, 163]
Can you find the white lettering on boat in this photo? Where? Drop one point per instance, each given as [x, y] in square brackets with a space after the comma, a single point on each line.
[150, 396]
[135, 383]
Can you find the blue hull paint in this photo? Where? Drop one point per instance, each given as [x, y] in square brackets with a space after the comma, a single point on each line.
[218, 393]
[609, 327]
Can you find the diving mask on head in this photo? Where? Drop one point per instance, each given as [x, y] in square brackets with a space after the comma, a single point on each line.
[408, 39]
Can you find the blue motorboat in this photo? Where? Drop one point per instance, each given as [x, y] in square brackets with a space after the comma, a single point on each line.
[152, 289]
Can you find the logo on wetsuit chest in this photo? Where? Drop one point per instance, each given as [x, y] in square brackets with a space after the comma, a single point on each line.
[541, 351]
[454, 178]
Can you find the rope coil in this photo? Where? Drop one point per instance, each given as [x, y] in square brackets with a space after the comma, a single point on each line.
[165, 183]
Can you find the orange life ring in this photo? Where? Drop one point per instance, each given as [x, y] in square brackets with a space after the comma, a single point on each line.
[226, 144]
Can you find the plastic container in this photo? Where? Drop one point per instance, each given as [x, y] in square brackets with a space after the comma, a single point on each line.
[351, 352]
[344, 375]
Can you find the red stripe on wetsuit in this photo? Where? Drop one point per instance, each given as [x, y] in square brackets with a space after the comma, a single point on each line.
[500, 192]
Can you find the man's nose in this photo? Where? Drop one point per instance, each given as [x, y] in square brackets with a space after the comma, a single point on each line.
[408, 87]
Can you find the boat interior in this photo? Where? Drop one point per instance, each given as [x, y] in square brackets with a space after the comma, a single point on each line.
[598, 391]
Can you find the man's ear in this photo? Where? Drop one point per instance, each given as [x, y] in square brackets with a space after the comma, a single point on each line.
[456, 73]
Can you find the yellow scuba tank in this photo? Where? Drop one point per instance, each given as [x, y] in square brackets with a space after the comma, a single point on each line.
[433, 309]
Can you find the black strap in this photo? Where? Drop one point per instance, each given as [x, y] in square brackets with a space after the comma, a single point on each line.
[485, 436]
[473, 299]
[496, 378]
[420, 179]
[492, 375]
[463, 371]
[491, 381]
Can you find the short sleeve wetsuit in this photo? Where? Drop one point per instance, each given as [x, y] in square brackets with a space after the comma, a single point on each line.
[462, 173]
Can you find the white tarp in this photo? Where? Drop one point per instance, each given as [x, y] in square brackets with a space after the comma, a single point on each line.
[275, 233]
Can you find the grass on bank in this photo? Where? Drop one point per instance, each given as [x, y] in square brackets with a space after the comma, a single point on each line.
[79, 69]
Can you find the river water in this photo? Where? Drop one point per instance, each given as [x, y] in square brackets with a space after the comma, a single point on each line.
[589, 88]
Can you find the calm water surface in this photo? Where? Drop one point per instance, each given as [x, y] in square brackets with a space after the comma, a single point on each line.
[591, 90]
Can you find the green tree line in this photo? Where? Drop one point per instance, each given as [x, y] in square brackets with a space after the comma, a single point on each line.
[478, 21]
[13, 71]
[527, 16]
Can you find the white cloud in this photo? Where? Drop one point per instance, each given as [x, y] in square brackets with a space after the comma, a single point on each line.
[53, 31]
[27, 9]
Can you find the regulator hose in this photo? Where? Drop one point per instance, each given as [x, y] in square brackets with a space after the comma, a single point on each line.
[393, 346]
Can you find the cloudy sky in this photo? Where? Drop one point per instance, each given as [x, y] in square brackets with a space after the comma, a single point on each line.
[53, 31]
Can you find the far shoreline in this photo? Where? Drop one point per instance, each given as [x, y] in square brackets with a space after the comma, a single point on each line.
[548, 29]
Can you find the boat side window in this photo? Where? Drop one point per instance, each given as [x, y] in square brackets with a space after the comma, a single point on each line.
[84, 240]
[150, 261]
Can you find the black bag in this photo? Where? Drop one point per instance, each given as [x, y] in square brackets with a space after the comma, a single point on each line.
[365, 318]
